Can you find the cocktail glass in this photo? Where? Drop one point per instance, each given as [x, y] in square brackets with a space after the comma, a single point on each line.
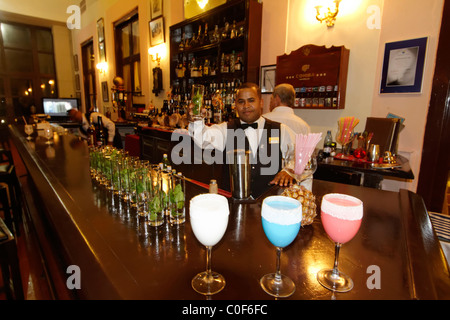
[48, 134]
[195, 113]
[156, 202]
[29, 131]
[209, 220]
[341, 218]
[177, 200]
[281, 219]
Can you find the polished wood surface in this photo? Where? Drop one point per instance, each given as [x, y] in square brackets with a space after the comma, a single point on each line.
[121, 257]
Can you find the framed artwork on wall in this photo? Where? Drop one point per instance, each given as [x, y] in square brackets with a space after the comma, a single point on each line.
[267, 78]
[105, 92]
[157, 31]
[101, 40]
[403, 66]
[156, 7]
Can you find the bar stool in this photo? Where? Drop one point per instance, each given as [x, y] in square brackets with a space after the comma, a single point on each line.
[9, 179]
[9, 263]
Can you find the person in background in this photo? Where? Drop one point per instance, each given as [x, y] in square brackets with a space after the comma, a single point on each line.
[266, 139]
[281, 104]
[113, 137]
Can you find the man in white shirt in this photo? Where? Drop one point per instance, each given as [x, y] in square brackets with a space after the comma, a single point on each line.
[281, 104]
[83, 119]
[266, 139]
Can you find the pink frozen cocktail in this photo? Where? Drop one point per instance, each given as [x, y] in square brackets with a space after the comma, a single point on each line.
[341, 216]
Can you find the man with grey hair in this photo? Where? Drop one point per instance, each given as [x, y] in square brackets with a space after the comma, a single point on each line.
[281, 104]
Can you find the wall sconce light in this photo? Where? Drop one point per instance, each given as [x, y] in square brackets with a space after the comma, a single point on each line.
[328, 14]
[157, 53]
[102, 67]
[202, 3]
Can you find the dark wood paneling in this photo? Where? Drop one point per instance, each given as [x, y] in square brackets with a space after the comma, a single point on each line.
[434, 166]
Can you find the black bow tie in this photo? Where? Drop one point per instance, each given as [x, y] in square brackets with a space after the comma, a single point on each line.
[247, 125]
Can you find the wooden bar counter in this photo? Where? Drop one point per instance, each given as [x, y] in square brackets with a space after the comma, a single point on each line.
[120, 257]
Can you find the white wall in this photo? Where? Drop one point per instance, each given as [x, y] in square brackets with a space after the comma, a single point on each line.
[418, 19]
[400, 20]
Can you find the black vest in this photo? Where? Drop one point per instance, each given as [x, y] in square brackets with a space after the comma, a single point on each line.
[267, 162]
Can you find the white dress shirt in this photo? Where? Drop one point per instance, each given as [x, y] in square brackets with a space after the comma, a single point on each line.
[287, 116]
[106, 122]
[215, 136]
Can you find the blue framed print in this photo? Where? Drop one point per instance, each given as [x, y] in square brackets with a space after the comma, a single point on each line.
[403, 66]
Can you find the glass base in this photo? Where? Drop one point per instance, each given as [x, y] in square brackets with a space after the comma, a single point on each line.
[208, 283]
[339, 282]
[156, 223]
[280, 288]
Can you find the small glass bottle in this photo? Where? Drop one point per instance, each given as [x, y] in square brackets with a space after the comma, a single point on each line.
[213, 188]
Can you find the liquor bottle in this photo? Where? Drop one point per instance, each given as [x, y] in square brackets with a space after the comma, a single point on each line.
[194, 41]
[215, 37]
[238, 64]
[327, 143]
[322, 93]
[315, 97]
[329, 97]
[165, 162]
[101, 135]
[308, 101]
[200, 39]
[92, 135]
[226, 31]
[217, 104]
[234, 31]
[232, 61]
[213, 68]
[302, 97]
[209, 113]
[206, 68]
[205, 36]
[335, 97]
[181, 45]
[297, 98]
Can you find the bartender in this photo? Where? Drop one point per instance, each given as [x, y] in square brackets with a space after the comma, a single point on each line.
[113, 136]
[266, 140]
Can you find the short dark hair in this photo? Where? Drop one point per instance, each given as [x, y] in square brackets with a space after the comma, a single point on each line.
[251, 85]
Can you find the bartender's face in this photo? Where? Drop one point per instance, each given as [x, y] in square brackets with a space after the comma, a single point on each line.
[249, 105]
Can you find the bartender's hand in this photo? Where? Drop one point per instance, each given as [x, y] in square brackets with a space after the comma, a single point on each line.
[191, 113]
[283, 179]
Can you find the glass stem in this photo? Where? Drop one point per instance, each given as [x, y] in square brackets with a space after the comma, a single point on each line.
[278, 272]
[208, 260]
[336, 258]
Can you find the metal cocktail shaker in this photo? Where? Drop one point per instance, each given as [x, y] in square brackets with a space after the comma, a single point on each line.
[240, 174]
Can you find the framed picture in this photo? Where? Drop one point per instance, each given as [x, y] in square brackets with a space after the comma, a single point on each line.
[267, 80]
[75, 63]
[403, 66]
[101, 30]
[157, 31]
[101, 40]
[105, 93]
[77, 82]
[156, 7]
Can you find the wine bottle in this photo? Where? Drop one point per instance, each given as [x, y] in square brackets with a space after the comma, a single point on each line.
[101, 135]
[92, 136]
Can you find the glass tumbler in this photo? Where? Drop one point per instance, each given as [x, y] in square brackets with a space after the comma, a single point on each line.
[177, 200]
